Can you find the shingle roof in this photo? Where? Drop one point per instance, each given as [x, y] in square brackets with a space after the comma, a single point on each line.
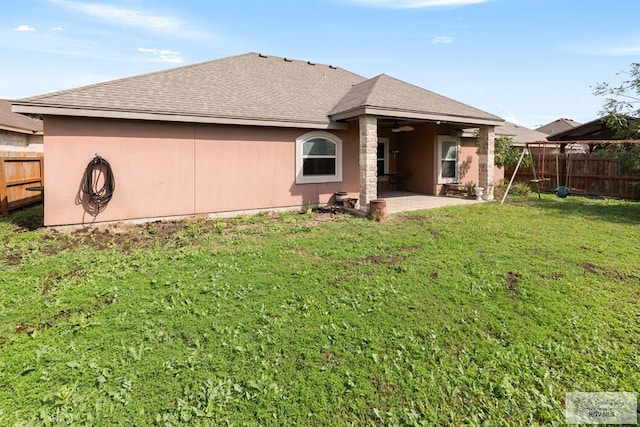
[387, 93]
[558, 126]
[249, 86]
[520, 134]
[18, 122]
[246, 89]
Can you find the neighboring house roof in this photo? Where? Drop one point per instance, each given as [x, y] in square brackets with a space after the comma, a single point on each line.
[557, 126]
[387, 96]
[595, 130]
[520, 134]
[250, 89]
[15, 122]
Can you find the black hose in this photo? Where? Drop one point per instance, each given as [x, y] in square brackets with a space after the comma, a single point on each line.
[98, 170]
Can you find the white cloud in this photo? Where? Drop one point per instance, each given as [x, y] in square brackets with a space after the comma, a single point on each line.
[443, 40]
[57, 29]
[25, 28]
[415, 4]
[163, 55]
[122, 16]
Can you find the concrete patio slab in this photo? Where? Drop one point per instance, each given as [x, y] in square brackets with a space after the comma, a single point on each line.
[402, 201]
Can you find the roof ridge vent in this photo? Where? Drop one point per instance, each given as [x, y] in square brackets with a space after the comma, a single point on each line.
[333, 67]
[310, 63]
[288, 60]
[262, 56]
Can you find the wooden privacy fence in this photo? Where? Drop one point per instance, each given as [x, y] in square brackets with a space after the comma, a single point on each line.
[595, 174]
[17, 175]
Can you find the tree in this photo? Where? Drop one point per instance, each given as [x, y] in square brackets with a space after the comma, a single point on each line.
[621, 112]
[506, 154]
[621, 109]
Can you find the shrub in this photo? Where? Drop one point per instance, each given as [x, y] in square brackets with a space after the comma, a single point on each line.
[517, 189]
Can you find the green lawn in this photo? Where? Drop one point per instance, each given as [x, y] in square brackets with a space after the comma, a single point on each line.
[469, 315]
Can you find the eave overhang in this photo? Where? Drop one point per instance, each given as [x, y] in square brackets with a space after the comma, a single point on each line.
[56, 110]
[417, 115]
[20, 130]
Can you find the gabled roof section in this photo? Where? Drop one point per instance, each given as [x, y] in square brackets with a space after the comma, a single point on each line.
[386, 96]
[246, 89]
[557, 126]
[14, 122]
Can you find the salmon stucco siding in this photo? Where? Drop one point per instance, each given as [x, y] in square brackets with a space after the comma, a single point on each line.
[175, 169]
[469, 164]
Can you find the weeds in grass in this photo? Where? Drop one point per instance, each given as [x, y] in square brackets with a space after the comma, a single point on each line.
[473, 315]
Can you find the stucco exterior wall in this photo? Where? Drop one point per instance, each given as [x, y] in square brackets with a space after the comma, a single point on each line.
[167, 169]
[239, 169]
[469, 170]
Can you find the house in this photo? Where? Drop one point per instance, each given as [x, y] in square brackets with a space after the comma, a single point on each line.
[19, 133]
[252, 132]
[557, 126]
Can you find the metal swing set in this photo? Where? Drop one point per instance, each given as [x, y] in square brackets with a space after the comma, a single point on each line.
[561, 191]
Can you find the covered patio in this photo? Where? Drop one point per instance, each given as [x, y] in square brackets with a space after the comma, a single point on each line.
[414, 140]
[404, 201]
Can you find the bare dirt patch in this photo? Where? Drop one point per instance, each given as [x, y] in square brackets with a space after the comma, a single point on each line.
[381, 260]
[590, 268]
[12, 259]
[616, 275]
[329, 359]
[512, 280]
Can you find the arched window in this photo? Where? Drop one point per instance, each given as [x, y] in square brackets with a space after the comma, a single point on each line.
[318, 158]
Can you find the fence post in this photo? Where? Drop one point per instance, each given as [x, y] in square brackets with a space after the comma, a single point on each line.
[563, 170]
[4, 203]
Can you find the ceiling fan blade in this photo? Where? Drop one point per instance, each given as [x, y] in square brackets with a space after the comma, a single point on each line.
[397, 128]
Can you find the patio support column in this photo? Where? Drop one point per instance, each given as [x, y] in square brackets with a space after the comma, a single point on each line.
[368, 161]
[486, 140]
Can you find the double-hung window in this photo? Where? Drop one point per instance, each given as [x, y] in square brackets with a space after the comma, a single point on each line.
[448, 170]
[318, 158]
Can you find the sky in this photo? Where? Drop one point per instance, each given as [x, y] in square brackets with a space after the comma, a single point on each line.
[527, 61]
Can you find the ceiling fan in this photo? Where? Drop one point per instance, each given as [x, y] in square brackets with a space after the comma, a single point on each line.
[397, 128]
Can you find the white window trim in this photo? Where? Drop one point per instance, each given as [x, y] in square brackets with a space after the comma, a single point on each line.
[316, 179]
[448, 138]
[385, 141]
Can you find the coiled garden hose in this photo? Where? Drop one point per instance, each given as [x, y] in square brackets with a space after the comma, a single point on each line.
[98, 171]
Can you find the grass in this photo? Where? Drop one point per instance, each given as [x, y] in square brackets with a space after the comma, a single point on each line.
[473, 315]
